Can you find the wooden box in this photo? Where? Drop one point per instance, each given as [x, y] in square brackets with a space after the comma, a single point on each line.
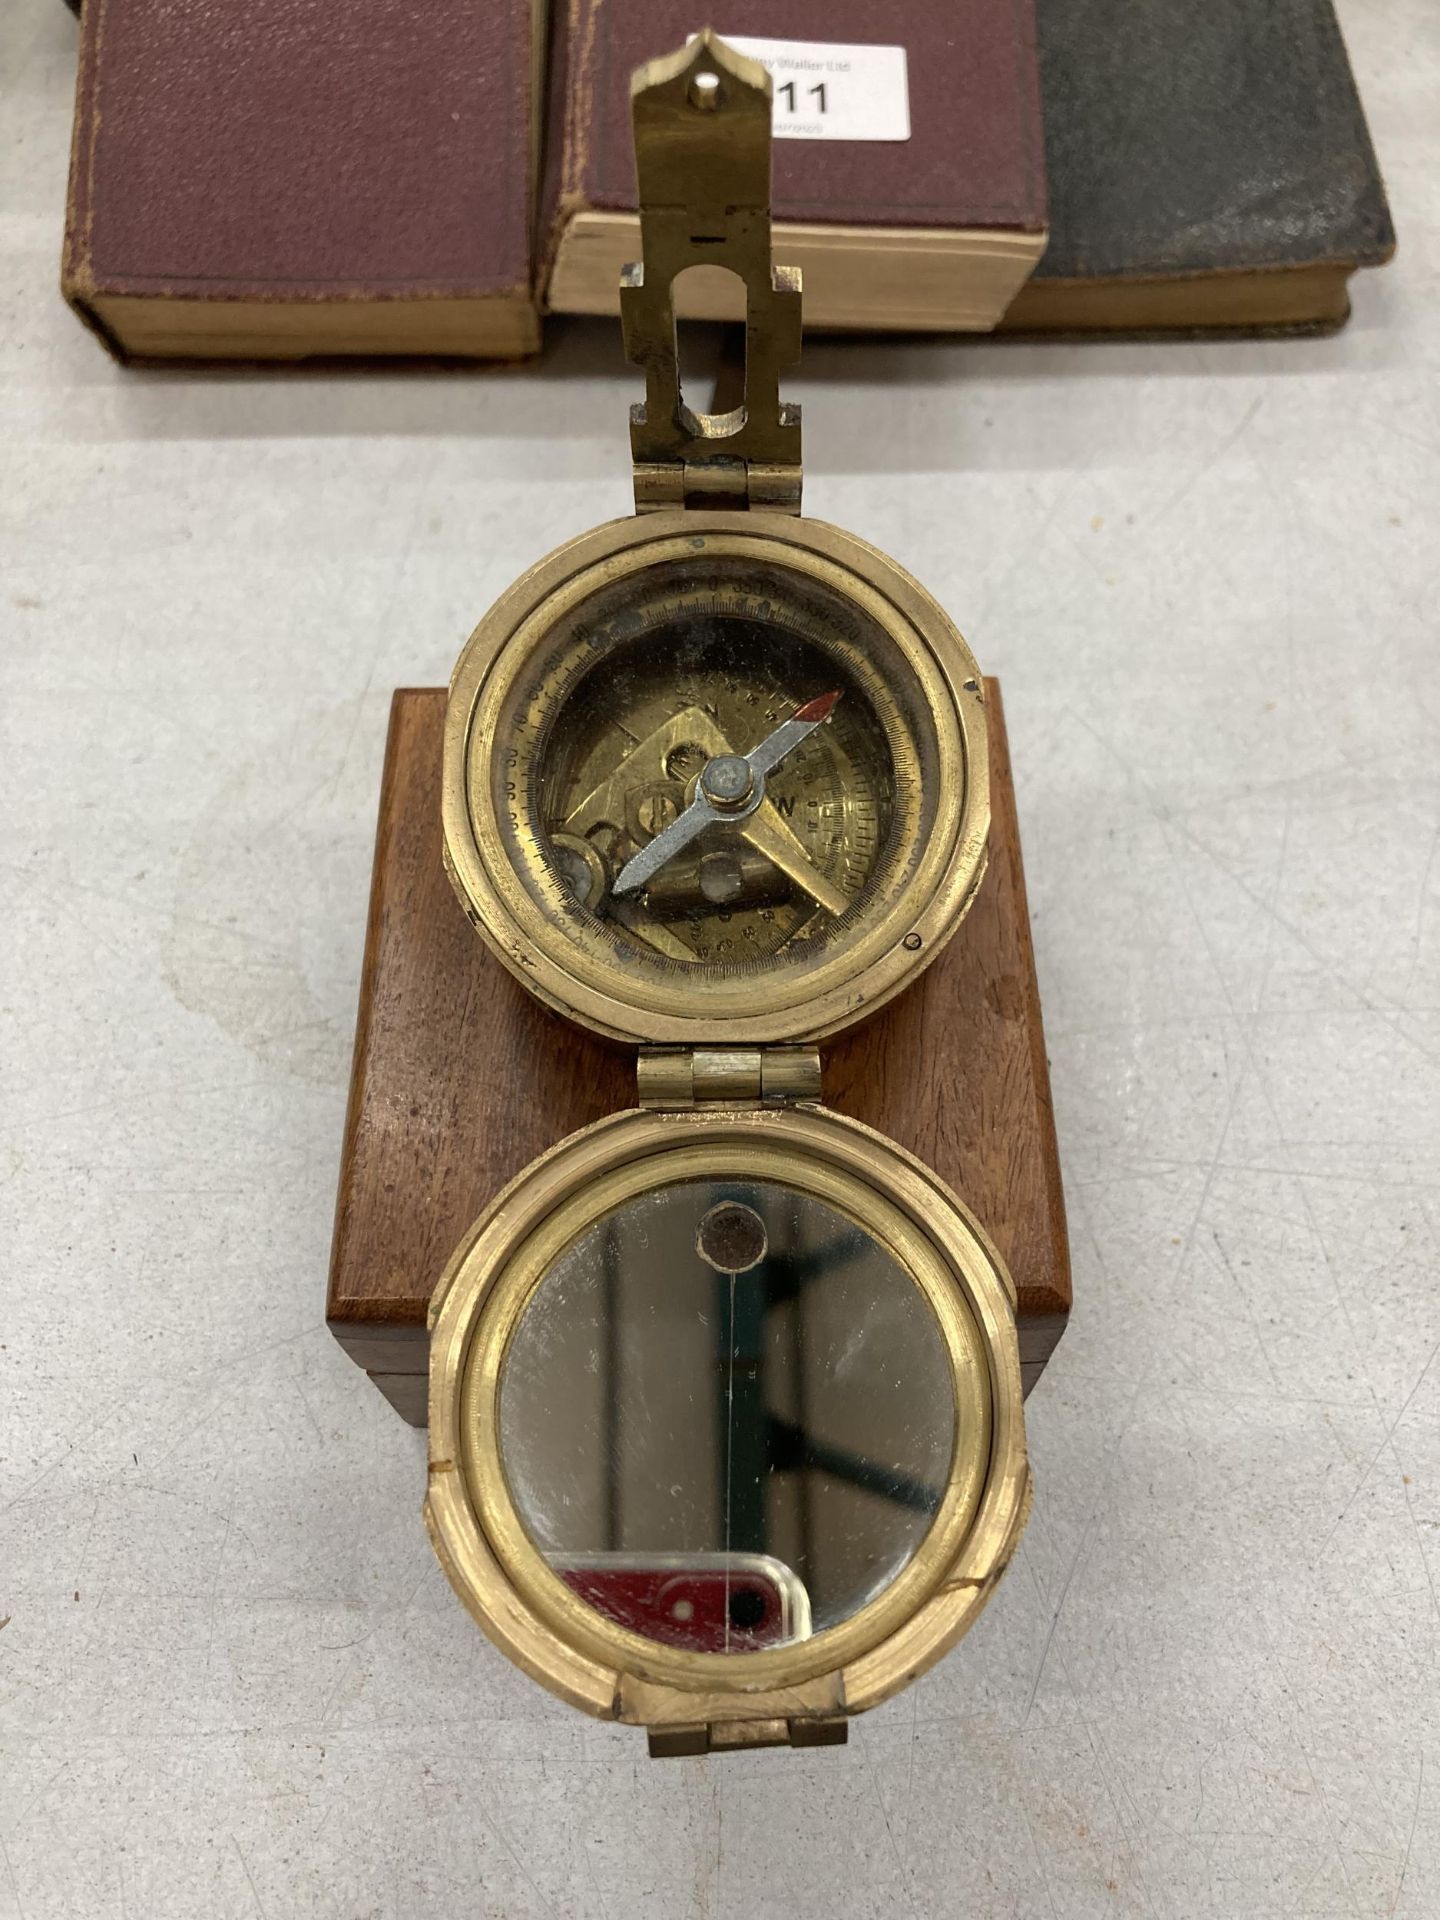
[460, 1078]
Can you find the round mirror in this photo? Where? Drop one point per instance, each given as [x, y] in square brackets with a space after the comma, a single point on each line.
[727, 1415]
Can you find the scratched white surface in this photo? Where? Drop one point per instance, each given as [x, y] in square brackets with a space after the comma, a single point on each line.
[232, 1679]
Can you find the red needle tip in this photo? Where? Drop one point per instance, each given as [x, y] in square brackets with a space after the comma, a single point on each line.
[818, 709]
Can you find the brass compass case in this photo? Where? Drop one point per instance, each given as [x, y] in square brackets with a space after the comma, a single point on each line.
[584, 711]
[725, 1407]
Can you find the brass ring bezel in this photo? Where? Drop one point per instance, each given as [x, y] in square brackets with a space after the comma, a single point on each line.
[862, 973]
[503, 1579]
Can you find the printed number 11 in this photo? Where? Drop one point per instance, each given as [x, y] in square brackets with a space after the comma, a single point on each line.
[788, 93]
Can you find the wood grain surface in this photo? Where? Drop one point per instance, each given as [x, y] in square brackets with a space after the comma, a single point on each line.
[460, 1078]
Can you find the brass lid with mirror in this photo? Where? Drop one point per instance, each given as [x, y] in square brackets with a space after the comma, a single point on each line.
[725, 1409]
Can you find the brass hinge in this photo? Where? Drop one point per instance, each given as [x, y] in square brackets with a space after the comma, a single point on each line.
[716, 483]
[741, 1077]
[702, 160]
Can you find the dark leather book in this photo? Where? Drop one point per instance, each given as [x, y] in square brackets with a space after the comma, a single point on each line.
[1209, 164]
[258, 178]
[939, 229]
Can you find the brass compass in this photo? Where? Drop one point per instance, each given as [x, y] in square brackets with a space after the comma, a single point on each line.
[599, 710]
[726, 1433]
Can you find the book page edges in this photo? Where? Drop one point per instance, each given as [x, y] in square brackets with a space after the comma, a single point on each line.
[498, 326]
[1314, 297]
[894, 278]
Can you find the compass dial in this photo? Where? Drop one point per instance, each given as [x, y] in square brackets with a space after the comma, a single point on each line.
[643, 721]
[710, 776]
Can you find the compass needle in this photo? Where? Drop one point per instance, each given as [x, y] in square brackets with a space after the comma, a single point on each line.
[731, 789]
[674, 839]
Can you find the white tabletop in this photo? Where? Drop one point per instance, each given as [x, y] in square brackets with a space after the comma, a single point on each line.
[233, 1680]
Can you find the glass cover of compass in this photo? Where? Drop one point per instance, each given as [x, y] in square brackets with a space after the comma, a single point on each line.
[706, 779]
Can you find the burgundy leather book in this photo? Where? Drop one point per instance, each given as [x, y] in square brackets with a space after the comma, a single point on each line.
[935, 230]
[257, 178]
